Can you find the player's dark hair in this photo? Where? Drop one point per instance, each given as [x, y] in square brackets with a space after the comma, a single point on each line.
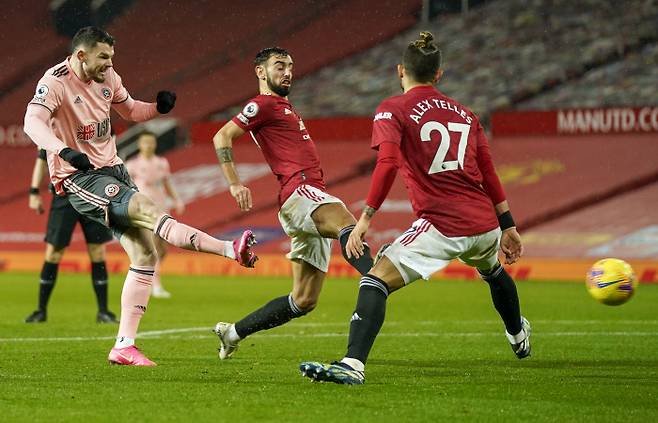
[89, 36]
[422, 58]
[266, 53]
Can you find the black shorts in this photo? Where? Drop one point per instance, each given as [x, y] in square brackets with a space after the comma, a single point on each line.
[102, 195]
[62, 218]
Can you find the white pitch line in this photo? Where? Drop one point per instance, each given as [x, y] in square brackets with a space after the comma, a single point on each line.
[162, 334]
[474, 322]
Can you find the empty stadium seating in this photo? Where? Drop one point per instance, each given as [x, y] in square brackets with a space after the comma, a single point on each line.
[505, 52]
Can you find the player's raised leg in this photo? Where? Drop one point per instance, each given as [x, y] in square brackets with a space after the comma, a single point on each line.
[143, 212]
[365, 324]
[307, 284]
[333, 220]
[137, 243]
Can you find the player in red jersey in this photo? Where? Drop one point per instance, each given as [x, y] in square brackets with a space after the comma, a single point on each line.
[462, 213]
[69, 117]
[310, 216]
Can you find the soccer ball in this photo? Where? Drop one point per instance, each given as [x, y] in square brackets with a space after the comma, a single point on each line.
[611, 281]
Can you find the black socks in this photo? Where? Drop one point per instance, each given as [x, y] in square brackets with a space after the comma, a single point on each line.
[363, 263]
[505, 298]
[368, 317]
[275, 313]
[48, 278]
[99, 282]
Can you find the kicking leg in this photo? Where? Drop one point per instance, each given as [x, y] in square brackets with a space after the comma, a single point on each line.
[333, 220]
[307, 284]
[142, 212]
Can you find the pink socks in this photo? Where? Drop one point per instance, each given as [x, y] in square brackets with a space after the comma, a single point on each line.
[134, 299]
[183, 236]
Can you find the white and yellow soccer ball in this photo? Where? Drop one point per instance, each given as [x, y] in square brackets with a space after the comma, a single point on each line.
[611, 281]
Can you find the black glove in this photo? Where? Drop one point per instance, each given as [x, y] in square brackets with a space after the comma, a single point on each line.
[77, 159]
[166, 101]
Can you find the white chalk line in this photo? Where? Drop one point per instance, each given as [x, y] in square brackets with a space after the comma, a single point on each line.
[175, 333]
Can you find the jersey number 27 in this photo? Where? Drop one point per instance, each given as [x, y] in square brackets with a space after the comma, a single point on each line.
[439, 164]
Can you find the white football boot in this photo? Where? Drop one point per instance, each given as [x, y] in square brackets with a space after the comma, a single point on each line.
[521, 342]
[226, 348]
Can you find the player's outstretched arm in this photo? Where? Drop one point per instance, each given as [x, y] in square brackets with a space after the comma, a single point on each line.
[135, 110]
[140, 111]
[382, 180]
[223, 141]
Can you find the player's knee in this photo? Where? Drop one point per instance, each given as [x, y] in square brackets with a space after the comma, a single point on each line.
[306, 303]
[143, 208]
[494, 276]
[54, 254]
[144, 257]
[96, 252]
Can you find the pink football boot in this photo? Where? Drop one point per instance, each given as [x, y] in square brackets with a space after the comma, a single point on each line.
[242, 248]
[129, 356]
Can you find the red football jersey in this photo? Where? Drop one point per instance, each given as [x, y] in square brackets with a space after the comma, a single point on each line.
[286, 144]
[445, 160]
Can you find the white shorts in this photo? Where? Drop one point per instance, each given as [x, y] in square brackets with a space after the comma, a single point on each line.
[423, 250]
[306, 243]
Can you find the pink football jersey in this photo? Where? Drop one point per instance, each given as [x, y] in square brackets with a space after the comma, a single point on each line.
[149, 175]
[80, 116]
[444, 150]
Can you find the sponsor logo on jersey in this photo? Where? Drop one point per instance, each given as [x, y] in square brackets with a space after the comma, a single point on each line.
[103, 128]
[88, 131]
[250, 110]
[78, 100]
[286, 111]
[111, 190]
[106, 93]
[383, 115]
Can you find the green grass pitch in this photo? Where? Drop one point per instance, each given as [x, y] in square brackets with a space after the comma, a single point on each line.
[441, 356]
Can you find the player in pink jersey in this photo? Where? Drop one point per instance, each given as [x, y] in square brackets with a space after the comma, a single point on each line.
[309, 215]
[69, 117]
[152, 176]
[456, 195]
